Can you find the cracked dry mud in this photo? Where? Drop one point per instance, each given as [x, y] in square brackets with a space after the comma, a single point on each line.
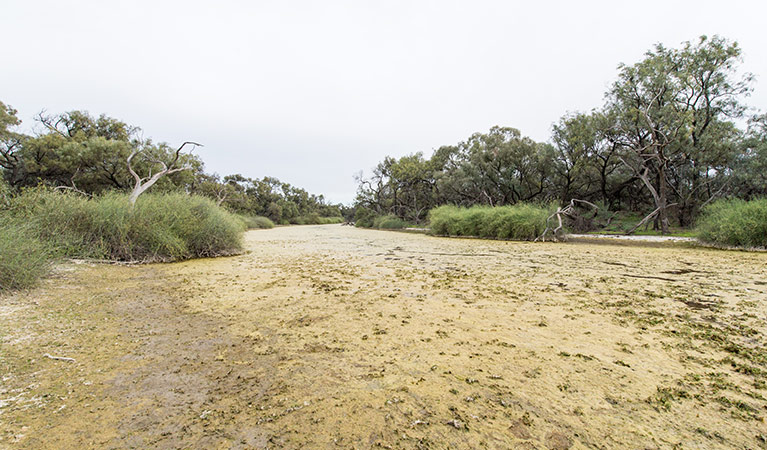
[334, 337]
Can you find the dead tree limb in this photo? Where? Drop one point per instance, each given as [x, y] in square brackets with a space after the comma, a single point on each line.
[648, 217]
[59, 358]
[74, 187]
[567, 211]
[142, 184]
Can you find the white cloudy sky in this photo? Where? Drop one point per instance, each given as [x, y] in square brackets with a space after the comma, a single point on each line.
[313, 92]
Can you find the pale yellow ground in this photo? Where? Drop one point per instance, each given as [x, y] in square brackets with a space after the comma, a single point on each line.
[335, 337]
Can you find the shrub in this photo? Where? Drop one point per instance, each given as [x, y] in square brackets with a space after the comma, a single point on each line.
[257, 222]
[517, 222]
[734, 222]
[364, 217]
[161, 227]
[23, 258]
[315, 219]
[389, 222]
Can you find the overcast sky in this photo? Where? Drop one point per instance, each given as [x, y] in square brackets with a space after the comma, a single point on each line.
[313, 92]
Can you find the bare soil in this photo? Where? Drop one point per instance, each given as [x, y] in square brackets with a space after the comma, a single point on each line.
[335, 337]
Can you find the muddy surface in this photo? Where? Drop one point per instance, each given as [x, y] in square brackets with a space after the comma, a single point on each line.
[334, 337]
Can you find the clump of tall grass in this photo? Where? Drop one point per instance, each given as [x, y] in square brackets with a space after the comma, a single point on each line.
[257, 222]
[23, 258]
[734, 222]
[161, 227]
[516, 222]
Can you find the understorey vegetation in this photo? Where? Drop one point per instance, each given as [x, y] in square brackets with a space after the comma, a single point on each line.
[41, 226]
[522, 221]
[93, 187]
[23, 258]
[666, 143]
[256, 222]
[735, 222]
[160, 227]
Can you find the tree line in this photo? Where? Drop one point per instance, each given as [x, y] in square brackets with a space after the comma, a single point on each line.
[92, 155]
[673, 135]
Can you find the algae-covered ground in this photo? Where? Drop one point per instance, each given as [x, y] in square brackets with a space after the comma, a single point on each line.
[335, 337]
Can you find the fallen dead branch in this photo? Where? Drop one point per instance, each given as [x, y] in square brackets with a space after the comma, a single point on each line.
[59, 358]
[568, 211]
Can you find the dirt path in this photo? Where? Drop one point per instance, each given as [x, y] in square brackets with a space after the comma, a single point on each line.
[334, 337]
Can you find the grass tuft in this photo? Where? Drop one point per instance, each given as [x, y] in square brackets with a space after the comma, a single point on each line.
[23, 258]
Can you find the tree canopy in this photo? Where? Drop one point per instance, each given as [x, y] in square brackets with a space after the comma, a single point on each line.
[666, 142]
[91, 154]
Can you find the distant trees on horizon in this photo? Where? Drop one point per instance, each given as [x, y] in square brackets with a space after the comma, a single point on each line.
[79, 152]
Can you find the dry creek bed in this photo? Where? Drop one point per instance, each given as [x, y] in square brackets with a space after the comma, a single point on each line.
[335, 337]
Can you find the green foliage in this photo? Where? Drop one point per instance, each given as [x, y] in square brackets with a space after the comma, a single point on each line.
[257, 222]
[390, 222]
[91, 154]
[161, 227]
[5, 194]
[666, 135]
[315, 219]
[269, 197]
[367, 218]
[735, 222]
[364, 217]
[517, 222]
[23, 258]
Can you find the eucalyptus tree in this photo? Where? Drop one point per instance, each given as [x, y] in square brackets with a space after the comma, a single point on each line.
[497, 168]
[161, 162]
[587, 161]
[413, 178]
[91, 155]
[751, 161]
[671, 111]
[10, 145]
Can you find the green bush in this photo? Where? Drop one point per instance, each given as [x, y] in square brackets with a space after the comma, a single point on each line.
[517, 222]
[389, 222]
[161, 227]
[315, 219]
[257, 222]
[367, 218]
[364, 217]
[23, 258]
[734, 222]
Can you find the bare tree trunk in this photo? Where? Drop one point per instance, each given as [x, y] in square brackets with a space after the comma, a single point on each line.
[142, 184]
[662, 199]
